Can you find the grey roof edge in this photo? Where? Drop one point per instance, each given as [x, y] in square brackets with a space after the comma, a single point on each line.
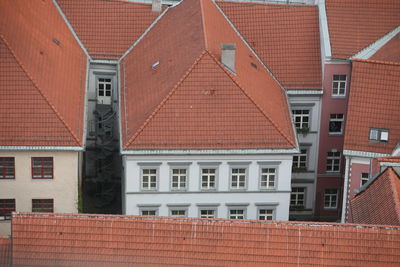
[363, 154]
[372, 180]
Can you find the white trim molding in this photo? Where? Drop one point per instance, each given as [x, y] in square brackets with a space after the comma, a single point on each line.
[363, 154]
[41, 148]
[210, 152]
[291, 92]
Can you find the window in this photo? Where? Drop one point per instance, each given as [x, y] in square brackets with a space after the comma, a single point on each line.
[7, 168]
[7, 206]
[104, 87]
[236, 213]
[42, 205]
[265, 214]
[297, 197]
[148, 212]
[178, 213]
[149, 179]
[238, 178]
[179, 179]
[207, 213]
[364, 178]
[300, 161]
[330, 198]
[339, 85]
[42, 168]
[267, 178]
[208, 178]
[333, 161]
[381, 135]
[336, 124]
[301, 118]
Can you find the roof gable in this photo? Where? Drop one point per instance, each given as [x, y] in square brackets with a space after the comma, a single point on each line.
[173, 48]
[286, 37]
[353, 25]
[108, 28]
[373, 103]
[49, 55]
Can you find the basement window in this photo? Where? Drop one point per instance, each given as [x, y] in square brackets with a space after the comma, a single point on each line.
[381, 135]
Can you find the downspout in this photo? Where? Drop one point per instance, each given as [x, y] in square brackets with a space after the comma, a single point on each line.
[345, 190]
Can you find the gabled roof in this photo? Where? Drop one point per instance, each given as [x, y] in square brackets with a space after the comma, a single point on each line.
[104, 240]
[390, 51]
[175, 94]
[42, 77]
[286, 37]
[373, 103]
[108, 28]
[379, 202]
[353, 25]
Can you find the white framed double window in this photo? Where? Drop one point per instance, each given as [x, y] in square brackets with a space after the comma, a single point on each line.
[208, 176]
[300, 161]
[237, 213]
[339, 85]
[297, 197]
[380, 135]
[208, 213]
[268, 179]
[330, 198]
[149, 178]
[301, 118]
[104, 88]
[179, 179]
[238, 178]
[265, 214]
[364, 178]
[178, 212]
[336, 123]
[333, 161]
[149, 212]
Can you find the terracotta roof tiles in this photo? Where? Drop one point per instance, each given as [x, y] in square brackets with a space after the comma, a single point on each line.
[43, 77]
[379, 202]
[285, 37]
[185, 99]
[108, 28]
[5, 251]
[390, 51]
[373, 103]
[353, 25]
[101, 240]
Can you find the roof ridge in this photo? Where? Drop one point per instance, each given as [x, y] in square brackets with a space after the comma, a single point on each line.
[395, 194]
[376, 61]
[251, 99]
[162, 103]
[41, 93]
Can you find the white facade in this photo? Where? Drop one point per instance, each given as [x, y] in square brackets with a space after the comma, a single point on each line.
[163, 199]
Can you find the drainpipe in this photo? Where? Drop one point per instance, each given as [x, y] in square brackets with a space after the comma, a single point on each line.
[346, 189]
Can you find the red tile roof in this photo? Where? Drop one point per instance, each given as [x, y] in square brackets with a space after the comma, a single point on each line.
[5, 251]
[379, 203]
[101, 240]
[285, 37]
[189, 100]
[373, 103]
[393, 159]
[108, 28]
[353, 25]
[43, 77]
[390, 51]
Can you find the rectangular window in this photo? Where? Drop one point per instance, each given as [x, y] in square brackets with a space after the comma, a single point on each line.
[300, 161]
[179, 179]
[339, 85]
[238, 178]
[178, 213]
[265, 214]
[301, 118]
[42, 205]
[207, 213]
[42, 168]
[333, 161]
[148, 212]
[236, 213]
[149, 179]
[364, 178]
[7, 206]
[7, 168]
[381, 135]
[104, 87]
[268, 177]
[330, 198]
[297, 197]
[208, 179]
[336, 124]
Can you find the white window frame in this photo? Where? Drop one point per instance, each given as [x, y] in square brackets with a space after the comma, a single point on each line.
[259, 215]
[339, 82]
[296, 166]
[149, 188]
[333, 118]
[331, 196]
[301, 116]
[207, 166]
[179, 188]
[297, 194]
[332, 159]
[379, 135]
[364, 178]
[238, 175]
[180, 209]
[237, 208]
[214, 210]
[104, 99]
[267, 187]
[141, 210]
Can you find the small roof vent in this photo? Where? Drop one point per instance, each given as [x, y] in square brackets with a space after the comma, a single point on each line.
[156, 5]
[155, 65]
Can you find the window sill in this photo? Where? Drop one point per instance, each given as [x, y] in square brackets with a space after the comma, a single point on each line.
[332, 209]
[338, 96]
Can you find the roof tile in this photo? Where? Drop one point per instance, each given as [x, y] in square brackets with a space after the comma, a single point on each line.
[390, 51]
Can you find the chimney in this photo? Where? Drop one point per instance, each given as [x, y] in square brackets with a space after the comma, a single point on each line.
[228, 56]
[156, 5]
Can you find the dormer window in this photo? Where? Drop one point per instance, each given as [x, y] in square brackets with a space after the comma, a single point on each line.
[381, 135]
